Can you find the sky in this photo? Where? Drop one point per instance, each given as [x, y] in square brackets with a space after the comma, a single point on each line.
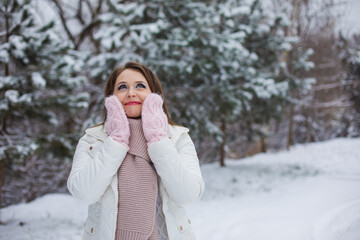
[352, 17]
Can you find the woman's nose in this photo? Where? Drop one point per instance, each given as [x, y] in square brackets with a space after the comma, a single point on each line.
[131, 92]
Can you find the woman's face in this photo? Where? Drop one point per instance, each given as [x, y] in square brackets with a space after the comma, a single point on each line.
[131, 88]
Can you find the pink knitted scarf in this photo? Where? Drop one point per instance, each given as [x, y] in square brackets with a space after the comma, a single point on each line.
[137, 190]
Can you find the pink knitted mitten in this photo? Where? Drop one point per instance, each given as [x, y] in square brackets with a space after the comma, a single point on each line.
[154, 119]
[117, 124]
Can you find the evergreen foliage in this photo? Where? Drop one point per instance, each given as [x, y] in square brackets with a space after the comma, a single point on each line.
[38, 88]
[222, 64]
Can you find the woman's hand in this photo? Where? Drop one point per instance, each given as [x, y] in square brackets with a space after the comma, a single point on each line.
[117, 124]
[154, 119]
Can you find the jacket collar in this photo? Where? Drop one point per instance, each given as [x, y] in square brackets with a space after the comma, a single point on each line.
[100, 133]
[174, 132]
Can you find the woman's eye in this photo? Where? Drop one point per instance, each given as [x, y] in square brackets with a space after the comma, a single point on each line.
[140, 85]
[122, 87]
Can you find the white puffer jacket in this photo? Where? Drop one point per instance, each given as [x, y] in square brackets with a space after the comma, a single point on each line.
[93, 179]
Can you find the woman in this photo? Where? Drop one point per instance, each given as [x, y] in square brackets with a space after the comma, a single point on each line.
[137, 170]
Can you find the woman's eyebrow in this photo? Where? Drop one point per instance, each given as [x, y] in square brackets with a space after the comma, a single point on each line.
[135, 82]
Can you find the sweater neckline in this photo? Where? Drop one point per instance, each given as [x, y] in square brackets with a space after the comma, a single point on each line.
[134, 118]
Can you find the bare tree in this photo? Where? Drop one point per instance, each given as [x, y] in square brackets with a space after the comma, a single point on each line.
[315, 22]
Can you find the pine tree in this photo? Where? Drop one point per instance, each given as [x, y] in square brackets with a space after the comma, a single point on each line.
[39, 96]
[220, 63]
[125, 33]
[225, 61]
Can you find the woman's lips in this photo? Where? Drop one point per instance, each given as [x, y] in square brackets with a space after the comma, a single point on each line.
[133, 103]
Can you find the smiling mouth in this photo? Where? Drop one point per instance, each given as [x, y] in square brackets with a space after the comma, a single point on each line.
[133, 103]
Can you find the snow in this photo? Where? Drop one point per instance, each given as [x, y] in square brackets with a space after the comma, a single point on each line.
[19, 46]
[311, 191]
[4, 54]
[338, 222]
[12, 95]
[38, 80]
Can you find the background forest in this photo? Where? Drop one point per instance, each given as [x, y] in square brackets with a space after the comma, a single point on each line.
[246, 76]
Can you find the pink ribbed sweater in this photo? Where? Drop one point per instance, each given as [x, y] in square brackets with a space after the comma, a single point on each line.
[140, 215]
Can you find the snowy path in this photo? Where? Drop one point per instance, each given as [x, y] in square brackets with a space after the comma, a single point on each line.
[314, 209]
[311, 192]
[291, 212]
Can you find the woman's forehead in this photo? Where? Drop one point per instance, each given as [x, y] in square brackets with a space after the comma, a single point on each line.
[130, 76]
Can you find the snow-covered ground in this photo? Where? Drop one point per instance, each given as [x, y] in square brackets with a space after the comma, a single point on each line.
[311, 192]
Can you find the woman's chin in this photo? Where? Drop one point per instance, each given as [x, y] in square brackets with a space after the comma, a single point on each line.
[133, 111]
[133, 115]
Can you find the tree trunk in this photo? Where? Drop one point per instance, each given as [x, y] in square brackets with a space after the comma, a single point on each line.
[290, 129]
[223, 143]
[7, 38]
[309, 131]
[7, 73]
[2, 172]
[290, 32]
[263, 144]
[263, 138]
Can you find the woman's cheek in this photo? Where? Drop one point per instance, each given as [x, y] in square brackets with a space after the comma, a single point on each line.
[120, 97]
[145, 95]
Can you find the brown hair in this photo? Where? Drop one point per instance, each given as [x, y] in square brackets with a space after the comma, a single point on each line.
[151, 78]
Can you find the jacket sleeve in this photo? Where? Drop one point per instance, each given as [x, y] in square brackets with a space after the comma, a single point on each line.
[178, 167]
[91, 175]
